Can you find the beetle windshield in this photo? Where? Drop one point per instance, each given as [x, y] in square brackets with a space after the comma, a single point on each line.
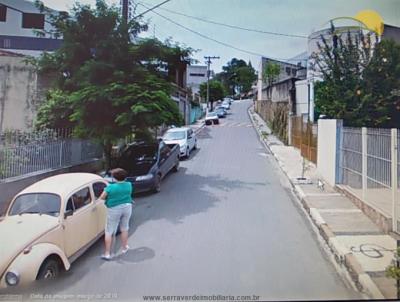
[36, 203]
[174, 135]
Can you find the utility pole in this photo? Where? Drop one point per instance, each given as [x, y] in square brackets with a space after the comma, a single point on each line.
[208, 62]
[125, 10]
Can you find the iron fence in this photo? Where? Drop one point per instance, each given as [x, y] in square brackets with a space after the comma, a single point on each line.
[370, 168]
[34, 157]
[351, 150]
[17, 137]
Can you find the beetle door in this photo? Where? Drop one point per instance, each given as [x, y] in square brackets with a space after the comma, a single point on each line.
[98, 188]
[80, 227]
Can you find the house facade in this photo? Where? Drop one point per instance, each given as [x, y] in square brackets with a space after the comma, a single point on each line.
[196, 75]
[276, 101]
[18, 21]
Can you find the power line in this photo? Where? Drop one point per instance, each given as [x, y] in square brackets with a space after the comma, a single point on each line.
[235, 26]
[217, 41]
[150, 9]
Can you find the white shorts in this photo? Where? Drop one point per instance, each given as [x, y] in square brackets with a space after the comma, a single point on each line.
[118, 215]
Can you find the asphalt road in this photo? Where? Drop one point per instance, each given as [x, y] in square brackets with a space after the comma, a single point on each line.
[225, 224]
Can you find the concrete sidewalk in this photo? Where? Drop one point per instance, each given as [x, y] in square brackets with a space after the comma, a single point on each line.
[355, 241]
[198, 125]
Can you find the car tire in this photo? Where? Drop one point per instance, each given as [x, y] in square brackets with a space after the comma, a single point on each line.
[176, 167]
[49, 269]
[157, 184]
[195, 145]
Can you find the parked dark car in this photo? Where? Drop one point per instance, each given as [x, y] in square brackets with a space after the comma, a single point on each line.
[148, 163]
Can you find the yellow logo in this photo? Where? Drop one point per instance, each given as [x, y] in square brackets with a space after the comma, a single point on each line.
[367, 19]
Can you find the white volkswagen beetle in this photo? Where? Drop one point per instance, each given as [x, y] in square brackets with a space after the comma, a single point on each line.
[48, 225]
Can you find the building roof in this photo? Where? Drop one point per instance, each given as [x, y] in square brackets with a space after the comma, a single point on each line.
[21, 5]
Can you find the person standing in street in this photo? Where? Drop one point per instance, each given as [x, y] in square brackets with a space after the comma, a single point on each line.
[118, 200]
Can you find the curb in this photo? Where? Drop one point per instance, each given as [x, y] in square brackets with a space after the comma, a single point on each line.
[200, 128]
[361, 279]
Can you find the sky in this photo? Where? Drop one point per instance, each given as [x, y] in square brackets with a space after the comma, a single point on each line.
[293, 17]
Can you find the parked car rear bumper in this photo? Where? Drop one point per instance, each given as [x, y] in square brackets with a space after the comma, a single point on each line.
[143, 185]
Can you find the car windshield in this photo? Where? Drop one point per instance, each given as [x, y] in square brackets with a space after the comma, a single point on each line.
[36, 203]
[174, 135]
[212, 114]
[140, 153]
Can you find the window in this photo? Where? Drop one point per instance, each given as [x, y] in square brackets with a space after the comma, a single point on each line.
[98, 188]
[79, 199]
[3, 13]
[197, 74]
[32, 203]
[164, 152]
[6, 43]
[288, 71]
[30, 20]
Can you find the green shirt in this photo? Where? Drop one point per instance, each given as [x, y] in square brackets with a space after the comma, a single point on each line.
[118, 193]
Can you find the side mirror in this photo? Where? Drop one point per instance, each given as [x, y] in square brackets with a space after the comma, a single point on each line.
[68, 213]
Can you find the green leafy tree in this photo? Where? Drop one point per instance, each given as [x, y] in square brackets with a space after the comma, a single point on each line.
[245, 78]
[271, 73]
[106, 86]
[237, 76]
[380, 90]
[217, 91]
[360, 80]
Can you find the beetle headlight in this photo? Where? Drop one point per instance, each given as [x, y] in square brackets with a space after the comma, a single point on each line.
[12, 278]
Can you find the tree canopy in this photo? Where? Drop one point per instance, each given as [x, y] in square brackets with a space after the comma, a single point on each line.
[107, 86]
[271, 72]
[217, 91]
[361, 80]
[237, 76]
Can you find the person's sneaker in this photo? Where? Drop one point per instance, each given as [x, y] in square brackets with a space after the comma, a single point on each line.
[106, 257]
[125, 249]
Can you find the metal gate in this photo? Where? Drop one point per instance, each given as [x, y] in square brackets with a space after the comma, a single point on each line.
[370, 168]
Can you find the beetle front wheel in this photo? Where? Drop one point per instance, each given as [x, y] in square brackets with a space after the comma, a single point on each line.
[50, 269]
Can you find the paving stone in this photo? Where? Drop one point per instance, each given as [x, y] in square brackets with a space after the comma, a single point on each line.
[387, 286]
[349, 223]
[313, 189]
[329, 202]
[373, 252]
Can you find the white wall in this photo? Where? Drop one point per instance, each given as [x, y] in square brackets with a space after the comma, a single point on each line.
[301, 97]
[13, 24]
[18, 93]
[194, 82]
[327, 149]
